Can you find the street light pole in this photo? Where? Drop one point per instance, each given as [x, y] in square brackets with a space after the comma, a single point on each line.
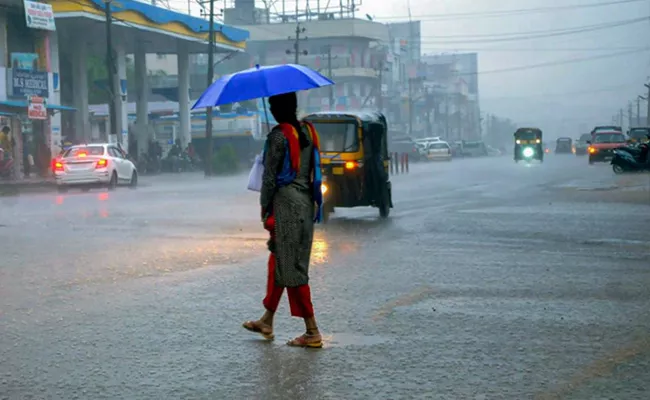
[648, 110]
[112, 71]
[208, 115]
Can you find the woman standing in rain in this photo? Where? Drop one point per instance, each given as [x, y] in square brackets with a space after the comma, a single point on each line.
[290, 189]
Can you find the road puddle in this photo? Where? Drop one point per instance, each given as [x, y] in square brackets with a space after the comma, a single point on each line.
[351, 339]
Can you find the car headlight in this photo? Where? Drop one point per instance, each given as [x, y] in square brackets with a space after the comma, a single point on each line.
[518, 141]
[528, 152]
[323, 188]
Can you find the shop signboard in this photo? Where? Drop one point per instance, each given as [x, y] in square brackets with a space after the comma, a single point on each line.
[39, 15]
[28, 83]
[24, 61]
[37, 108]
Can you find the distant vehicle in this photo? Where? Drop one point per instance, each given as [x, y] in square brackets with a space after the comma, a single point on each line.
[563, 145]
[405, 146]
[474, 149]
[606, 128]
[528, 145]
[581, 145]
[638, 135]
[439, 151]
[94, 165]
[602, 145]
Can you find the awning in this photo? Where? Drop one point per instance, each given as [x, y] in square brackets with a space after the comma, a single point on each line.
[6, 114]
[24, 104]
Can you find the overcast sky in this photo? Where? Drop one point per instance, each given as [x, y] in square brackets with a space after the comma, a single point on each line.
[562, 97]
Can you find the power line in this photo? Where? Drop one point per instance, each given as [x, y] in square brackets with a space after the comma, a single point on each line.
[502, 13]
[577, 29]
[561, 94]
[554, 63]
[527, 49]
[543, 36]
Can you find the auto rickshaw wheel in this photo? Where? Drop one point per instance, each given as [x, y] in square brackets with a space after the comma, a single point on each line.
[326, 214]
[384, 206]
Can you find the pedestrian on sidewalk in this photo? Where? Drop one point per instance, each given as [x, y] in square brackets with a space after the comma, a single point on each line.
[290, 187]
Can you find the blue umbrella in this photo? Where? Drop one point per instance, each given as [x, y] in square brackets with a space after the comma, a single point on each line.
[259, 82]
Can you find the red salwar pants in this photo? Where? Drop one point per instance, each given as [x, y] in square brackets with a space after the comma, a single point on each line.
[299, 297]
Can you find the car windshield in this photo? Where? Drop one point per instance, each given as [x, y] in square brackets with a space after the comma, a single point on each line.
[438, 146]
[585, 137]
[337, 137]
[526, 135]
[639, 133]
[564, 140]
[609, 138]
[84, 151]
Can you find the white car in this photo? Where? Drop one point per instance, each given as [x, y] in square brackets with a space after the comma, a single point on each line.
[438, 151]
[94, 165]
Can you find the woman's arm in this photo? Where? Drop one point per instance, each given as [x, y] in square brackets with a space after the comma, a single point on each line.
[273, 161]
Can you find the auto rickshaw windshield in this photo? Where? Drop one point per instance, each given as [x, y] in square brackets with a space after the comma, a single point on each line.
[337, 137]
[526, 135]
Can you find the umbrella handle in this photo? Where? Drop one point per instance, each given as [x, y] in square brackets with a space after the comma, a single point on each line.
[266, 115]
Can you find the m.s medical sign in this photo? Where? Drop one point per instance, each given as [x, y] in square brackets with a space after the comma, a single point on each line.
[29, 83]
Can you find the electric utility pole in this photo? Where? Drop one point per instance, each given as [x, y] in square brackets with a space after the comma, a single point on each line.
[410, 82]
[648, 110]
[112, 71]
[629, 115]
[208, 114]
[638, 110]
[329, 75]
[296, 44]
[620, 118]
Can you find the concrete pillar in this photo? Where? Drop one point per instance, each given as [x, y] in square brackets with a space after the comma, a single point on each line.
[3, 40]
[80, 90]
[184, 94]
[142, 97]
[55, 92]
[121, 104]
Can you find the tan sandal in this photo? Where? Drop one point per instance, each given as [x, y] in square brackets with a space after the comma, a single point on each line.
[258, 327]
[307, 341]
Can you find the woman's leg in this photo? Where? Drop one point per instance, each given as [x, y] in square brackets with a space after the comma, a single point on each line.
[302, 307]
[264, 325]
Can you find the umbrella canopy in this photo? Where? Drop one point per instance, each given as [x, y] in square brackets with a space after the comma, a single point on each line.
[260, 81]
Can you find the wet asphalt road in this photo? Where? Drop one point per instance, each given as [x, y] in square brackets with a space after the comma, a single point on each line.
[490, 280]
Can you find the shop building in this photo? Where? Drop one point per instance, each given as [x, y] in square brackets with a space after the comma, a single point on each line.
[29, 83]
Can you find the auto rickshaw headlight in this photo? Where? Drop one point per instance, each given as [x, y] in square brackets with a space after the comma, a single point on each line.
[528, 152]
[538, 141]
[323, 188]
[518, 141]
[350, 165]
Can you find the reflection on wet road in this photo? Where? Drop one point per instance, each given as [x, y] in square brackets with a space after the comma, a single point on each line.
[490, 280]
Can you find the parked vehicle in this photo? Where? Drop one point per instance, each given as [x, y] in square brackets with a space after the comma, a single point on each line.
[631, 160]
[439, 151]
[94, 165]
[407, 146]
[474, 149]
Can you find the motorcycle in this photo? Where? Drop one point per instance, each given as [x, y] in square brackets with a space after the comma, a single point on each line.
[624, 161]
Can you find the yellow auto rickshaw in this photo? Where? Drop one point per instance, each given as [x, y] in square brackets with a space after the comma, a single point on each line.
[354, 160]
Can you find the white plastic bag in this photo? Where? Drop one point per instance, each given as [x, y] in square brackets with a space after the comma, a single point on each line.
[255, 176]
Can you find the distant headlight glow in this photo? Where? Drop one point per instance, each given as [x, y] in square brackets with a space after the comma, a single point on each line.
[528, 152]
